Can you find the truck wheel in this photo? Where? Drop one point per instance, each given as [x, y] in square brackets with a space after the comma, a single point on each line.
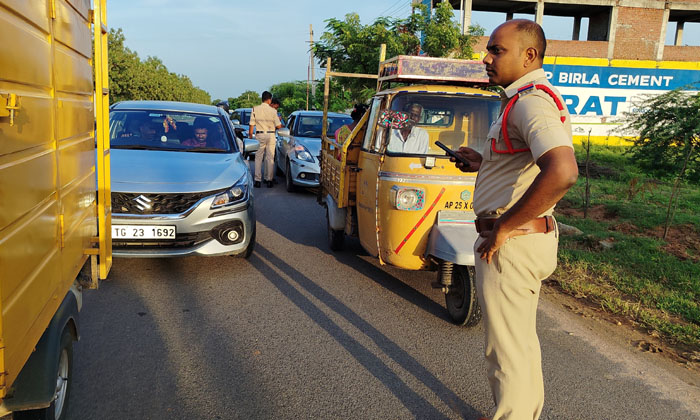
[59, 406]
[288, 180]
[461, 301]
[335, 237]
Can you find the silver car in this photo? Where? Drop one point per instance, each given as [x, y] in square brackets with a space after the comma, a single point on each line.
[298, 149]
[179, 183]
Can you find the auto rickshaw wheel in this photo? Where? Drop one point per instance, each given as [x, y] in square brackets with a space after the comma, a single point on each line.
[336, 238]
[460, 298]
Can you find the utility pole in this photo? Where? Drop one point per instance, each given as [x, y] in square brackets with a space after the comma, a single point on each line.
[312, 76]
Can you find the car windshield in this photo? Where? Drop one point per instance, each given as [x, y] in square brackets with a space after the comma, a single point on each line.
[310, 126]
[166, 130]
[243, 116]
[454, 120]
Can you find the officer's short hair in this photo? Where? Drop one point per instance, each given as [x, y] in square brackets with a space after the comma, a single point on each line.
[535, 33]
[266, 95]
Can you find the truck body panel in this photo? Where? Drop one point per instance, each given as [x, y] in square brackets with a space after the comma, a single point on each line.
[48, 199]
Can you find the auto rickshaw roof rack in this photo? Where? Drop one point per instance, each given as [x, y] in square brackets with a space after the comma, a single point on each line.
[417, 69]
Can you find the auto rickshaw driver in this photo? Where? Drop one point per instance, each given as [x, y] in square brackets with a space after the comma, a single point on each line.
[411, 138]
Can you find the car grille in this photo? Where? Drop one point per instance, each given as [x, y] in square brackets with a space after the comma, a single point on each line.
[131, 203]
[182, 240]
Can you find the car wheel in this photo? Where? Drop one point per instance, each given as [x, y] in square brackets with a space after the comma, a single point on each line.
[288, 179]
[336, 238]
[461, 301]
[59, 406]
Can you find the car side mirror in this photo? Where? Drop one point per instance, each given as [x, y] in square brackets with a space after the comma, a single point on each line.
[236, 122]
[250, 145]
[284, 132]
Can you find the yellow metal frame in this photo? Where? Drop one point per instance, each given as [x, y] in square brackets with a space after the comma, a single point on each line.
[104, 191]
[326, 142]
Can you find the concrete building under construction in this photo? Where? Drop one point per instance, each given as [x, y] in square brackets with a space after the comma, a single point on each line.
[617, 29]
[618, 57]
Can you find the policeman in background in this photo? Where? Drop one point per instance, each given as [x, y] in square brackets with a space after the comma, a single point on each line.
[264, 121]
[525, 168]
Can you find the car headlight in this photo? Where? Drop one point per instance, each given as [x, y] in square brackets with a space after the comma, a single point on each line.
[237, 193]
[302, 153]
[407, 198]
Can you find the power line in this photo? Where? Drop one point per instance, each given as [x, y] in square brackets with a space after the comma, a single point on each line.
[384, 13]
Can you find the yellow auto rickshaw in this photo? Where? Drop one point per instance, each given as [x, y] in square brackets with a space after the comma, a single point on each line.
[390, 185]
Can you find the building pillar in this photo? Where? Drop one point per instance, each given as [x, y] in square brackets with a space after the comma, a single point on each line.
[577, 28]
[611, 32]
[662, 37]
[466, 16]
[679, 34]
[539, 11]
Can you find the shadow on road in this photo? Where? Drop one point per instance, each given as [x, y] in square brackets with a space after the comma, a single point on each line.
[169, 357]
[266, 262]
[287, 224]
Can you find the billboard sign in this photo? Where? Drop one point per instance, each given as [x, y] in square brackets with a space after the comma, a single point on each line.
[596, 96]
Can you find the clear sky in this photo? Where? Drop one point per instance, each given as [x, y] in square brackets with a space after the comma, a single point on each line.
[229, 46]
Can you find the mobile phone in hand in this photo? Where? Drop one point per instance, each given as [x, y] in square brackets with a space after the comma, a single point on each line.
[452, 153]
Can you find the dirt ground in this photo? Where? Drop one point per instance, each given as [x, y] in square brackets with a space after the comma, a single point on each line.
[679, 243]
[632, 333]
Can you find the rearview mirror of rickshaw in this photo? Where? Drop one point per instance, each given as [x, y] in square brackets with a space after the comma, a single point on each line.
[394, 119]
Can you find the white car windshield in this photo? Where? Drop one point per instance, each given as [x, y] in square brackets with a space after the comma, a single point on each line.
[176, 131]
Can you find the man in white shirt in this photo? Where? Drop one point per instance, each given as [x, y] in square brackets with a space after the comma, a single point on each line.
[411, 139]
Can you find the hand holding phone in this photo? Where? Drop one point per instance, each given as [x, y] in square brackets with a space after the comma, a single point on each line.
[452, 153]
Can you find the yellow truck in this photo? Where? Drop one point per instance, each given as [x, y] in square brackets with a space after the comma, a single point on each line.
[54, 193]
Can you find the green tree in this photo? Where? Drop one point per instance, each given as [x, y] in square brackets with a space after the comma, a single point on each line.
[443, 37]
[292, 96]
[354, 48]
[669, 136]
[130, 78]
[247, 99]
[123, 66]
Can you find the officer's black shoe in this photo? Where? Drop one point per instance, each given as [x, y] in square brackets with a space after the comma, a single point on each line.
[269, 184]
[256, 184]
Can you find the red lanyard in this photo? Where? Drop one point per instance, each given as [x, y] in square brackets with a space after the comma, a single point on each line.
[504, 120]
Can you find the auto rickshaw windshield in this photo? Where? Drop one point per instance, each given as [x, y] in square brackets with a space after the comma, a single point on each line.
[453, 120]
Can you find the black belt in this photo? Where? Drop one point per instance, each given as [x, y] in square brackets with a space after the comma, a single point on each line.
[264, 132]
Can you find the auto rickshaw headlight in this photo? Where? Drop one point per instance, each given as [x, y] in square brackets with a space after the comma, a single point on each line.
[407, 198]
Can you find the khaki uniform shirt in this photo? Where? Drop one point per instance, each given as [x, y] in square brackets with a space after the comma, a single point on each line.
[534, 122]
[265, 119]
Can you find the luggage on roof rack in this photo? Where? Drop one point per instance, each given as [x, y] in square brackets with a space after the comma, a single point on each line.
[414, 69]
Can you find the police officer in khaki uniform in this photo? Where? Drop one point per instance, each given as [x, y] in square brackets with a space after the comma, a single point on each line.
[265, 118]
[524, 169]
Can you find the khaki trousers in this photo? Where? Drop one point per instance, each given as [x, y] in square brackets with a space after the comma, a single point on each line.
[266, 151]
[508, 290]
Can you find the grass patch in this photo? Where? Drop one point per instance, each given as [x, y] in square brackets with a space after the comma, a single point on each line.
[654, 282]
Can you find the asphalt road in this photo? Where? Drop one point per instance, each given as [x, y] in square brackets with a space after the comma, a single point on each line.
[297, 331]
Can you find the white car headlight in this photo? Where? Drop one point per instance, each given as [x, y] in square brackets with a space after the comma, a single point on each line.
[302, 153]
[407, 198]
[237, 193]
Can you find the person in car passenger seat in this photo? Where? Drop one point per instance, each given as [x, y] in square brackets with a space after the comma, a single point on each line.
[201, 132]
